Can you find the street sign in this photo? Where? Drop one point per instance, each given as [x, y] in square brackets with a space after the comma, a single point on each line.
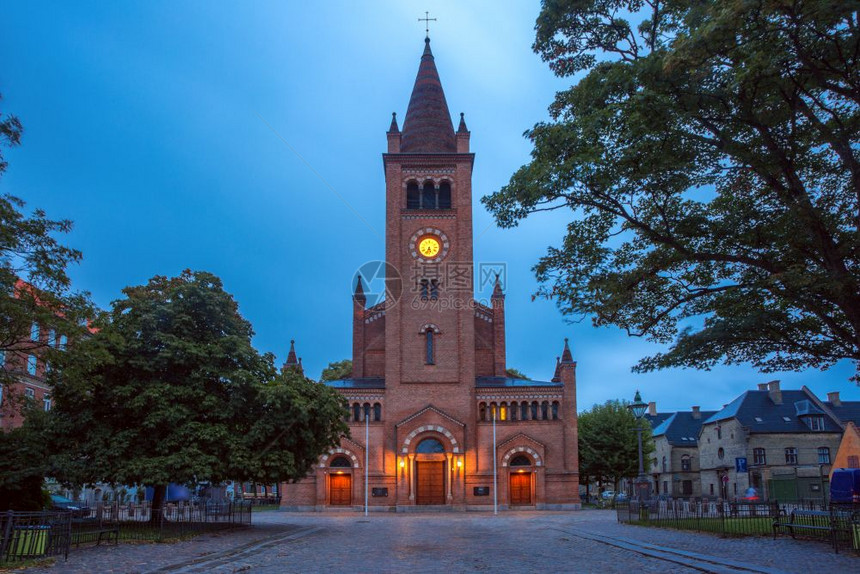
[741, 464]
[726, 478]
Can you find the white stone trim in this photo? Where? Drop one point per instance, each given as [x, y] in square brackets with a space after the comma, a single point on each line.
[430, 428]
[334, 451]
[522, 449]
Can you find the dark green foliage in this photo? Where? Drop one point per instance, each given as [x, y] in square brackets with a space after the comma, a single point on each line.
[336, 371]
[515, 374]
[170, 390]
[608, 445]
[24, 463]
[709, 157]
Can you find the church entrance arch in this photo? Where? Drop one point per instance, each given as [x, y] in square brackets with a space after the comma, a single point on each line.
[340, 482]
[430, 472]
[521, 481]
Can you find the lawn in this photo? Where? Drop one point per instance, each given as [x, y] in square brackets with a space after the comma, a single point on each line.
[753, 526]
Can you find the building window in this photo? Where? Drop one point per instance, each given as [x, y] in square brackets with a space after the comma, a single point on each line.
[482, 411]
[444, 195]
[521, 460]
[34, 332]
[555, 410]
[686, 465]
[524, 411]
[664, 464]
[544, 410]
[816, 423]
[356, 412]
[721, 453]
[428, 196]
[719, 432]
[30, 393]
[687, 487]
[366, 412]
[514, 411]
[62, 344]
[665, 487]
[340, 462]
[413, 196]
[853, 461]
[791, 455]
[534, 410]
[712, 488]
[430, 446]
[503, 412]
[32, 363]
[52, 338]
[46, 402]
[429, 350]
[823, 455]
[759, 456]
[2, 358]
[377, 412]
[429, 289]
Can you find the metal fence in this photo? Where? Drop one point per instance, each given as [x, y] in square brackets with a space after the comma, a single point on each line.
[28, 535]
[839, 525]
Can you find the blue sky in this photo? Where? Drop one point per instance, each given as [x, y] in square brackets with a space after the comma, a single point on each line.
[243, 138]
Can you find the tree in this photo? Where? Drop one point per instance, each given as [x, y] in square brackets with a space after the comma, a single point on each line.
[608, 444]
[515, 374]
[33, 280]
[169, 389]
[337, 370]
[710, 158]
[24, 463]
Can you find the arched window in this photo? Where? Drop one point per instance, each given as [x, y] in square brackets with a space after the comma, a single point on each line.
[340, 462]
[521, 460]
[445, 195]
[664, 463]
[686, 465]
[430, 446]
[429, 351]
[515, 409]
[347, 416]
[356, 412]
[413, 195]
[503, 412]
[366, 411]
[555, 410]
[377, 412]
[544, 410]
[482, 411]
[424, 289]
[434, 289]
[428, 196]
[494, 411]
[524, 411]
[534, 410]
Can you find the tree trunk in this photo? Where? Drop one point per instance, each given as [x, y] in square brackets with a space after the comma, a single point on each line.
[159, 493]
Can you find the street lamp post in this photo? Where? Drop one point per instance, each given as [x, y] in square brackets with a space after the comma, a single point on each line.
[637, 407]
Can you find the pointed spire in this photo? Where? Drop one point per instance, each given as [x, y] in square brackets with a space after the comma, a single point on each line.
[291, 356]
[301, 367]
[497, 289]
[566, 356]
[359, 295]
[427, 127]
[556, 377]
[393, 129]
[462, 129]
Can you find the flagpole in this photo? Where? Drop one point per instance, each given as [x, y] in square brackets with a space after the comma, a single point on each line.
[366, 456]
[495, 475]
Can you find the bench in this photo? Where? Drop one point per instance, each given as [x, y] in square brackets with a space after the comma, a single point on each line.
[813, 520]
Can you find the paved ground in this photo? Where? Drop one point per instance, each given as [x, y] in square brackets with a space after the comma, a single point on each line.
[587, 541]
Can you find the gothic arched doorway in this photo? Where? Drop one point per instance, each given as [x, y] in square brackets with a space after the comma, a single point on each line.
[430, 472]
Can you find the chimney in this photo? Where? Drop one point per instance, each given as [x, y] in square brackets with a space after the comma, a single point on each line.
[774, 392]
[696, 414]
[833, 399]
[762, 386]
[652, 409]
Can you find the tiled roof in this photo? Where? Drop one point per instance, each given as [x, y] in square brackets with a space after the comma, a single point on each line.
[656, 420]
[682, 429]
[511, 382]
[846, 411]
[756, 411]
[363, 383]
[427, 127]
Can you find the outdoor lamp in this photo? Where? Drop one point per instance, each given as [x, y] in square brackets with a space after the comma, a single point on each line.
[637, 407]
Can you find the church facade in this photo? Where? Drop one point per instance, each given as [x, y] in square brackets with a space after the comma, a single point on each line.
[434, 419]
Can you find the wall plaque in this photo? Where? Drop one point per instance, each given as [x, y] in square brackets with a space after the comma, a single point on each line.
[482, 491]
[379, 492]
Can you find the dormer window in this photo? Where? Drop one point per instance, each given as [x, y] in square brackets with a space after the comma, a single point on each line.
[815, 423]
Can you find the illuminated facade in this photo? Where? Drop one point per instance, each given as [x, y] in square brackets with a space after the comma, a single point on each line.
[429, 373]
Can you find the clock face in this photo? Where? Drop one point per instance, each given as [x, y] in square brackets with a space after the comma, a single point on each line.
[429, 246]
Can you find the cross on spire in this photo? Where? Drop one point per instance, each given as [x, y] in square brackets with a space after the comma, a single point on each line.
[426, 19]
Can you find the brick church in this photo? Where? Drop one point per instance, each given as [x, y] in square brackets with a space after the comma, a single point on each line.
[434, 418]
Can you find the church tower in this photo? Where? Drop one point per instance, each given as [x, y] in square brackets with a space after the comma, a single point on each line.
[434, 418]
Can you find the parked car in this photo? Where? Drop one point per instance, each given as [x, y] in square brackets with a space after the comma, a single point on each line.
[61, 503]
[607, 494]
[620, 497]
[845, 485]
